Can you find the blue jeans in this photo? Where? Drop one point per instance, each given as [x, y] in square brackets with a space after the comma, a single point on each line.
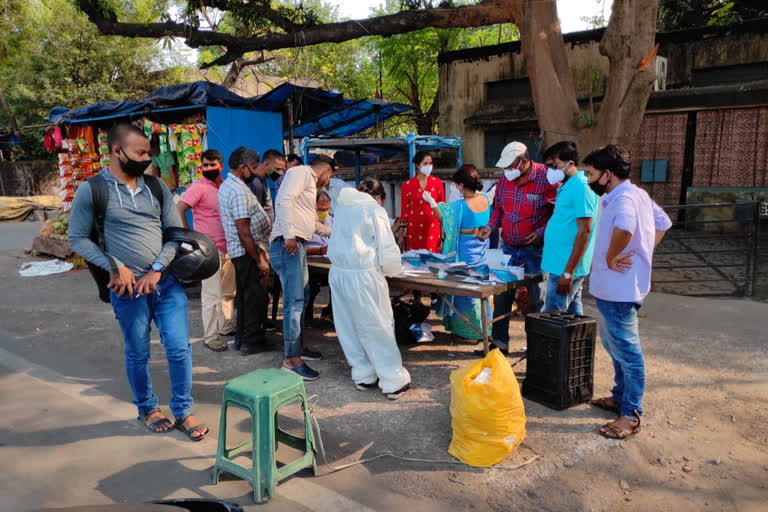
[294, 278]
[167, 306]
[528, 257]
[570, 302]
[618, 330]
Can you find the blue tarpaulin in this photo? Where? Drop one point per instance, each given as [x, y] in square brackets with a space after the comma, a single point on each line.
[8, 140]
[174, 96]
[318, 112]
[354, 117]
[197, 93]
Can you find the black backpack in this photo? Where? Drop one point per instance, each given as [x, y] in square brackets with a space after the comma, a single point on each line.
[407, 313]
[100, 197]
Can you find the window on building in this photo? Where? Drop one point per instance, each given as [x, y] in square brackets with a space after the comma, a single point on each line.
[653, 171]
[729, 74]
[506, 91]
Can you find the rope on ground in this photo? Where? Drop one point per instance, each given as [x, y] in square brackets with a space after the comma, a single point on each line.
[335, 469]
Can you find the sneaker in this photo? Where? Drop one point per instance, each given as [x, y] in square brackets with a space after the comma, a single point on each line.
[310, 355]
[362, 386]
[270, 326]
[397, 394]
[303, 371]
[492, 345]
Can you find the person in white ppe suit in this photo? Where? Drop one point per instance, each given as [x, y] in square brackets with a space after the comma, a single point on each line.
[362, 251]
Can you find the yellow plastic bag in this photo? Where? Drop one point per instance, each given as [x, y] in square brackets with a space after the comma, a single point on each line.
[488, 416]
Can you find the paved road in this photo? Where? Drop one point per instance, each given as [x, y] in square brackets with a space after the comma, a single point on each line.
[68, 437]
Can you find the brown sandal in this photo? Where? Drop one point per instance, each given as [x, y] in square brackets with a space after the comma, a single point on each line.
[615, 432]
[602, 403]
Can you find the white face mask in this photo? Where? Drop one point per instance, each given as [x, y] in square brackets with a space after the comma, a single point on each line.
[555, 175]
[426, 170]
[512, 174]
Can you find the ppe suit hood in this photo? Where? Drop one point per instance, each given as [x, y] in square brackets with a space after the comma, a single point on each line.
[353, 197]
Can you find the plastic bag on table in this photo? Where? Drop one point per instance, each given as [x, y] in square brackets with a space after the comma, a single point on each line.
[487, 412]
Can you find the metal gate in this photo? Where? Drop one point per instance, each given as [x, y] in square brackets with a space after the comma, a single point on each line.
[714, 250]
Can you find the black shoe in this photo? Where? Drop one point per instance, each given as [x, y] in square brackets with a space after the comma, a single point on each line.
[397, 394]
[362, 386]
[310, 355]
[237, 344]
[491, 346]
[270, 326]
[249, 350]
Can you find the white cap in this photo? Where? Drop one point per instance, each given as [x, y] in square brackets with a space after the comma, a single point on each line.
[509, 153]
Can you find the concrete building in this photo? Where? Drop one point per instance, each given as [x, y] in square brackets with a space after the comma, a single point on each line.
[706, 124]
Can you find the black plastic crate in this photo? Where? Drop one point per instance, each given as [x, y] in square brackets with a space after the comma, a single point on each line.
[561, 359]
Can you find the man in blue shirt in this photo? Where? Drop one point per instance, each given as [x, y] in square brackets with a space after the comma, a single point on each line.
[569, 238]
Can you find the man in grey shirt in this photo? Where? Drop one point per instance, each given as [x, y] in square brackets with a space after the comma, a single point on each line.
[140, 292]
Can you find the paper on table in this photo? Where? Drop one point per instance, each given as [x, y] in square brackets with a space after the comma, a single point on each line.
[415, 252]
[442, 256]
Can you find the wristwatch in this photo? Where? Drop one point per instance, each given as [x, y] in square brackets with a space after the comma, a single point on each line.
[567, 275]
[158, 267]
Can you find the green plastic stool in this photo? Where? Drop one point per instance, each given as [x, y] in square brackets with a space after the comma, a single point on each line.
[262, 393]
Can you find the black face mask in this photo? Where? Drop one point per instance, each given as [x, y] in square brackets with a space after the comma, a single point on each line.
[134, 167]
[249, 179]
[596, 187]
[211, 175]
[274, 175]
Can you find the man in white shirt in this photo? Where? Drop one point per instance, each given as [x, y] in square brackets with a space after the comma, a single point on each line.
[296, 222]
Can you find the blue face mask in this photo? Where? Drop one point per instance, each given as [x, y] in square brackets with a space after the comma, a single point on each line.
[426, 170]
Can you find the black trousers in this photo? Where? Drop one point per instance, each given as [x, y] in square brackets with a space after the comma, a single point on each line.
[250, 301]
[315, 283]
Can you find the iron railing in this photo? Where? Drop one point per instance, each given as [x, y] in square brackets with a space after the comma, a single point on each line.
[713, 250]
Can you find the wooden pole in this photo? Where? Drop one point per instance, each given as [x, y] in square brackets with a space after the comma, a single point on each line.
[290, 124]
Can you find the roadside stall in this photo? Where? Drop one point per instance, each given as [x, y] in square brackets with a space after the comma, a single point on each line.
[182, 121]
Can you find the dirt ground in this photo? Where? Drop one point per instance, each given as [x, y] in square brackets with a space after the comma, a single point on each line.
[704, 443]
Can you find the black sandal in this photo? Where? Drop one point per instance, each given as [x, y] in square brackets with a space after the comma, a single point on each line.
[152, 427]
[179, 425]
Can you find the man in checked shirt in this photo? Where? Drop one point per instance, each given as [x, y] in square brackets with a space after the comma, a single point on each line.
[522, 205]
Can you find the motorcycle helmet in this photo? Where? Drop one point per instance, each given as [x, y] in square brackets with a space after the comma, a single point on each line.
[197, 257]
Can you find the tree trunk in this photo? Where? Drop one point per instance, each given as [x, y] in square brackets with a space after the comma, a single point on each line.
[629, 38]
[554, 94]
[11, 118]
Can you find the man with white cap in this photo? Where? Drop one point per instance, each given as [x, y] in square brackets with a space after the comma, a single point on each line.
[522, 205]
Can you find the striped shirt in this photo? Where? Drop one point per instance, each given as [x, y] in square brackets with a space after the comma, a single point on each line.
[236, 201]
[522, 208]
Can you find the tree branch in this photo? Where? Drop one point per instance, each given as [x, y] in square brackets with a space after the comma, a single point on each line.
[488, 12]
[548, 71]
[256, 9]
[238, 66]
